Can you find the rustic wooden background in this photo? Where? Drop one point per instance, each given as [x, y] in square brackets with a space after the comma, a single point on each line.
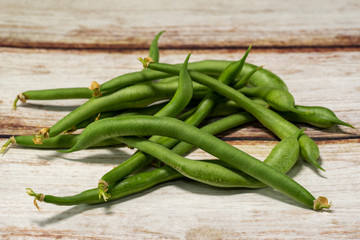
[313, 45]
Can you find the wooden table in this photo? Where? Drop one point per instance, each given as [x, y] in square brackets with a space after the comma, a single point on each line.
[313, 46]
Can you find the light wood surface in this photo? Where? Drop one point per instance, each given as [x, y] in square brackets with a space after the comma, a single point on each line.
[189, 24]
[321, 74]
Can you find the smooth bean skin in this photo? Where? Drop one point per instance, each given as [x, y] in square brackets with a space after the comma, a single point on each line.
[150, 125]
[205, 172]
[279, 99]
[130, 185]
[52, 94]
[314, 115]
[58, 142]
[154, 48]
[270, 119]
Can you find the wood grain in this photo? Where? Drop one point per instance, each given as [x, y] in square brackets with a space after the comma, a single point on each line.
[181, 209]
[188, 24]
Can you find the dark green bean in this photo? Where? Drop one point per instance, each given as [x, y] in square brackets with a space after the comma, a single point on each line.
[314, 115]
[154, 49]
[150, 125]
[58, 142]
[271, 120]
[130, 185]
[278, 99]
[205, 172]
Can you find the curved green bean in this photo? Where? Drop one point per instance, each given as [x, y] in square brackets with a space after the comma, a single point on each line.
[150, 125]
[154, 48]
[314, 115]
[278, 99]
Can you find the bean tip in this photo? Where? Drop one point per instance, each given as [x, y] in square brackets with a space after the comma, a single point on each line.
[11, 140]
[95, 88]
[145, 61]
[103, 188]
[37, 196]
[321, 203]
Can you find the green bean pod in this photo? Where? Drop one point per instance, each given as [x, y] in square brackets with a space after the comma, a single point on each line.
[314, 115]
[52, 94]
[154, 48]
[130, 185]
[270, 119]
[58, 142]
[150, 125]
[279, 99]
[205, 172]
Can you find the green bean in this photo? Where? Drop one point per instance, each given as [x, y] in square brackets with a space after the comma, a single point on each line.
[96, 117]
[141, 94]
[150, 125]
[314, 115]
[283, 156]
[278, 99]
[205, 172]
[130, 185]
[203, 109]
[58, 142]
[154, 49]
[271, 120]
[51, 94]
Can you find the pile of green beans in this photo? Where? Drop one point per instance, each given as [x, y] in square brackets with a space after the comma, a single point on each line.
[157, 110]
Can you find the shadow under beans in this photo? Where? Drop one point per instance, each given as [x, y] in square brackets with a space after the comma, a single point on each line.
[49, 107]
[79, 209]
[113, 155]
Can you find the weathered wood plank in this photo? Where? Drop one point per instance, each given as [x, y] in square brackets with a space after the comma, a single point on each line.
[177, 210]
[182, 209]
[189, 24]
